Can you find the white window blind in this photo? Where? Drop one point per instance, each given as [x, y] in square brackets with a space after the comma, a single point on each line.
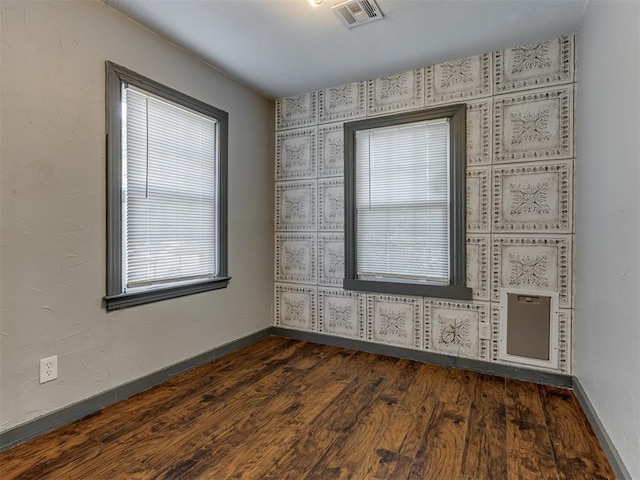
[402, 202]
[169, 198]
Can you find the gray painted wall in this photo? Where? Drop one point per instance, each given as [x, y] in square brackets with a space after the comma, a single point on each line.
[607, 327]
[52, 266]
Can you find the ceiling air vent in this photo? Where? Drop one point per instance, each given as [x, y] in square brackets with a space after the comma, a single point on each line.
[357, 12]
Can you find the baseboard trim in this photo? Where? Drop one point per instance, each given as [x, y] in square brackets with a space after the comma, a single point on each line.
[74, 412]
[525, 374]
[605, 441]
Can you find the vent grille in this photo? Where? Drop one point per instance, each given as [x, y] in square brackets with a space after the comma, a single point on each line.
[357, 12]
[368, 8]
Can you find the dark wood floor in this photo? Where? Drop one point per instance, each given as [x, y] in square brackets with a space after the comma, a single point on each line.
[283, 409]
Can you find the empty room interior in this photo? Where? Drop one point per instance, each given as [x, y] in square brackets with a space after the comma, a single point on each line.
[318, 239]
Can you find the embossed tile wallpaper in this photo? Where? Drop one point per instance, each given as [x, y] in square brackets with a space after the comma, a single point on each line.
[520, 159]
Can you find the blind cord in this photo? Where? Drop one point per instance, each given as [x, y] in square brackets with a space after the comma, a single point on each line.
[146, 188]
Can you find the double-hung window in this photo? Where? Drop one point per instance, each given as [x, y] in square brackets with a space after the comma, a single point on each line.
[405, 204]
[166, 192]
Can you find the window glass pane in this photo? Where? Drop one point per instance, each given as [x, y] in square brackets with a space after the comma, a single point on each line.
[402, 202]
[170, 192]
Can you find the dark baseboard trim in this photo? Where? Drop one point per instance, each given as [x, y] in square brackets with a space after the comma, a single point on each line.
[93, 404]
[544, 378]
[610, 451]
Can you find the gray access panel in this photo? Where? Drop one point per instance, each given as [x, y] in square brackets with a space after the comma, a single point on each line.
[529, 326]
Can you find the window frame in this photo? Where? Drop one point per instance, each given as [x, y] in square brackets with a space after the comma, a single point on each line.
[456, 289]
[116, 298]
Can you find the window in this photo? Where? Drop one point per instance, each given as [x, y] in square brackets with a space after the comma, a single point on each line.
[166, 192]
[405, 204]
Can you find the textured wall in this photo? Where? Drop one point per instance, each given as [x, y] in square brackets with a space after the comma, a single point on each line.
[607, 334]
[520, 151]
[53, 210]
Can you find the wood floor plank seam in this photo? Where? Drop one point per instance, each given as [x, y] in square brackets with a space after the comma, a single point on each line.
[506, 421]
[553, 450]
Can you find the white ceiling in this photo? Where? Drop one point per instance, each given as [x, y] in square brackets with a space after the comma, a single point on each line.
[285, 47]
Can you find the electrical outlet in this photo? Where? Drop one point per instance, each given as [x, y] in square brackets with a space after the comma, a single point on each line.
[48, 369]
[485, 331]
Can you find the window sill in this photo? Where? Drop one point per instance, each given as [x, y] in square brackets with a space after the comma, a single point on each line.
[417, 289]
[126, 300]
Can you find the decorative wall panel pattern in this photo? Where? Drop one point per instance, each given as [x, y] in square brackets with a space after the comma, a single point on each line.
[343, 102]
[478, 266]
[331, 204]
[495, 332]
[330, 259]
[532, 263]
[330, 150]
[453, 328]
[535, 197]
[565, 321]
[341, 312]
[460, 79]
[478, 199]
[297, 111]
[296, 205]
[519, 205]
[296, 257]
[534, 125]
[296, 154]
[479, 124]
[295, 306]
[534, 65]
[393, 93]
[394, 320]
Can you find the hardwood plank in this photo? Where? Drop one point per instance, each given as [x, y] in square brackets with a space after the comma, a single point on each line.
[351, 455]
[440, 455]
[300, 404]
[421, 403]
[41, 450]
[84, 469]
[389, 441]
[279, 412]
[523, 402]
[333, 421]
[485, 453]
[529, 452]
[577, 451]
[234, 414]
[86, 451]
[458, 386]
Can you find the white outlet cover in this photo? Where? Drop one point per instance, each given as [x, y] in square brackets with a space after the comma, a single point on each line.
[48, 369]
